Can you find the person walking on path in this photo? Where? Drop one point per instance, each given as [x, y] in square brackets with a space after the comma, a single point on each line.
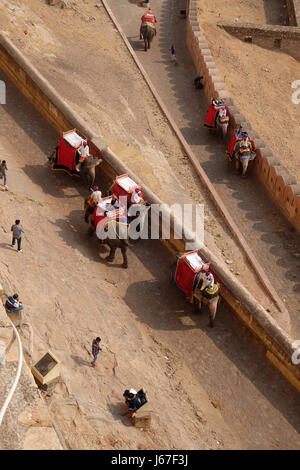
[3, 170]
[173, 54]
[17, 231]
[95, 351]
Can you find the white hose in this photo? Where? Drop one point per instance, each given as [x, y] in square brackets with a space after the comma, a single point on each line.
[17, 378]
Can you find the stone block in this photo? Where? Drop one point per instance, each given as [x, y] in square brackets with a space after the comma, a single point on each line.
[142, 418]
[47, 369]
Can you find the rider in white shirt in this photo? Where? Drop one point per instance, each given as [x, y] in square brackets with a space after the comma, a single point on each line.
[208, 280]
[136, 196]
[84, 152]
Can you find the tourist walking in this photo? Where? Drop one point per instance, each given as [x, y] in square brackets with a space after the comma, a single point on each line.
[95, 351]
[3, 170]
[173, 55]
[17, 231]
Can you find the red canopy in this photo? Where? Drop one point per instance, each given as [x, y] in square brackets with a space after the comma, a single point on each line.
[186, 274]
[66, 154]
[231, 145]
[124, 186]
[210, 120]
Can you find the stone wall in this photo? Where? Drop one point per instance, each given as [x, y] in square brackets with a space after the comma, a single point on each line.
[293, 10]
[285, 38]
[279, 183]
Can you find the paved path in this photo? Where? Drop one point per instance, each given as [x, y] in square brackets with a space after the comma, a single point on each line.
[272, 240]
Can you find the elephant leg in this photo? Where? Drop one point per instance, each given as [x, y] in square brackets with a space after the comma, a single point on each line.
[86, 213]
[112, 253]
[237, 164]
[197, 305]
[91, 230]
[124, 253]
[91, 178]
[51, 158]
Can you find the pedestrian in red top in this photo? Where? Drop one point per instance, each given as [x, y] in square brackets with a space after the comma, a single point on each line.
[95, 351]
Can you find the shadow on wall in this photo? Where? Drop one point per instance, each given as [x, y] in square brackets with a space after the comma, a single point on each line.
[275, 12]
[29, 120]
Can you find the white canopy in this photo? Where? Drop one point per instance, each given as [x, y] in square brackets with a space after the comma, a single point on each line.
[73, 139]
[127, 183]
[194, 261]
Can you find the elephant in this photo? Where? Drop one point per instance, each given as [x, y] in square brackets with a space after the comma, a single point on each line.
[222, 122]
[141, 210]
[87, 170]
[199, 296]
[148, 33]
[242, 156]
[119, 240]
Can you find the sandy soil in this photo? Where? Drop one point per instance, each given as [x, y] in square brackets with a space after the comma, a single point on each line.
[258, 79]
[208, 388]
[118, 105]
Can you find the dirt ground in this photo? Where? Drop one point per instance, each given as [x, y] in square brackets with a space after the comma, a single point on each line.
[208, 388]
[135, 129]
[258, 79]
[270, 237]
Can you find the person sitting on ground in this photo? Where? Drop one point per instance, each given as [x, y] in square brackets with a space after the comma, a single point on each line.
[3, 170]
[13, 304]
[134, 399]
[83, 151]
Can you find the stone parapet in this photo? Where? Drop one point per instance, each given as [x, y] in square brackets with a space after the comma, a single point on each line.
[277, 181]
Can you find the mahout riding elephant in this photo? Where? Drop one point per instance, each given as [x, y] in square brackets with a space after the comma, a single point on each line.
[87, 170]
[208, 296]
[222, 122]
[243, 154]
[212, 303]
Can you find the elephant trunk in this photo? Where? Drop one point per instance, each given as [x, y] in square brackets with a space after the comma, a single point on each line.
[213, 305]
[245, 162]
